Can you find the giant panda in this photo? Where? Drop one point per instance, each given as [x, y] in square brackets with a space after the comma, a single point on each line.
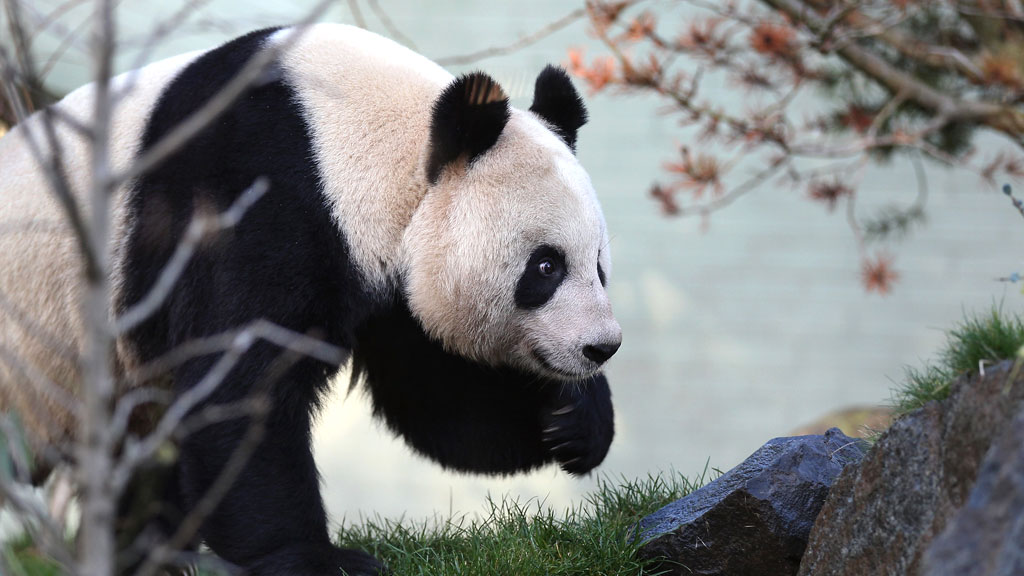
[450, 243]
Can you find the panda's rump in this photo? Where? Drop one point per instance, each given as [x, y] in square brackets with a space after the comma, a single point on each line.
[40, 263]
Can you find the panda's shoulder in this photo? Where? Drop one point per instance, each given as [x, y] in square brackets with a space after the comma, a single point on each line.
[328, 56]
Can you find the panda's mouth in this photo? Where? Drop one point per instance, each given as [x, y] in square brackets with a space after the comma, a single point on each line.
[546, 364]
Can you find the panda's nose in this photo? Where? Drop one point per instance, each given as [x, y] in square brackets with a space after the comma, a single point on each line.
[600, 353]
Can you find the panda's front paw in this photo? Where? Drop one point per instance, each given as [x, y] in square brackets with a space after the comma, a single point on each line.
[578, 425]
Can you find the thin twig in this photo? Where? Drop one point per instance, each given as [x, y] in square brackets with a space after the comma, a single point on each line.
[189, 526]
[357, 14]
[921, 200]
[137, 452]
[196, 347]
[887, 112]
[184, 131]
[51, 164]
[164, 29]
[389, 25]
[257, 406]
[127, 404]
[37, 331]
[42, 385]
[201, 228]
[298, 344]
[15, 449]
[851, 221]
[95, 449]
[47, 535]
[732, 195]
[462, 59]
[45, 21]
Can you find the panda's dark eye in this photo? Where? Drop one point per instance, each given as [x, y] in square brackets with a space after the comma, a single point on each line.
[540, 279]
[546, 267]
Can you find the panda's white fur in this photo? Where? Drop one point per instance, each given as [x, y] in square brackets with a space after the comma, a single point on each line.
[462, 249]
[453, 359]
[474, 230]
[353, 86]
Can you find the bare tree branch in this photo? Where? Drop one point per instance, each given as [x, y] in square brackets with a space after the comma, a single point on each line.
[43, 387]
[100, 473]
[1006, 119]
[201, 228]
[219, 104]
[51, 163]
[523, 42]
[196, 347]
[393, 30]
[357, 14]
[95, 449]
[36, 331]
[190, 525]
[136, 452]
[736, 193]
[49, 536]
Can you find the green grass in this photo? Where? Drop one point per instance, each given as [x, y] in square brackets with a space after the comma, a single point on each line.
[595, 537]
[990, 337]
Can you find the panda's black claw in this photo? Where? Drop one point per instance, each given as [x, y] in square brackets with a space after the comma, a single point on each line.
[573, 467]
[577, 427]
[561, 446]
[568, 441]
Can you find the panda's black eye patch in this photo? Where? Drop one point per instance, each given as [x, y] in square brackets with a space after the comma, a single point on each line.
[541, 277]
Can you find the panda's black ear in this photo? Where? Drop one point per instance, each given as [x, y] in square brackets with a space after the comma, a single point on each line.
[556, 101]
[467, 119]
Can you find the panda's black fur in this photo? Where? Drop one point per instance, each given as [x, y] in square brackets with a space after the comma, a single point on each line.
[557, 101]
[468, 117]
[287, 262]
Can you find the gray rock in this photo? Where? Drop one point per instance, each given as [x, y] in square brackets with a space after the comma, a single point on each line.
[755, 518]
[986, 537]
[881, 516]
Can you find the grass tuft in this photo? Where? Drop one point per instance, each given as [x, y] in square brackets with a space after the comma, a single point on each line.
[988, 338]
[596, 537]
[992, 337]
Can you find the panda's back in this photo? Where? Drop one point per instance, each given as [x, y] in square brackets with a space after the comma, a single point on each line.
[368, 103]
[362, 104]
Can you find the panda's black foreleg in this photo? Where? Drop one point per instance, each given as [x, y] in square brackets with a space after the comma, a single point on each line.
[499, 423]
[271, 521]
[475, 418]
[578, 424]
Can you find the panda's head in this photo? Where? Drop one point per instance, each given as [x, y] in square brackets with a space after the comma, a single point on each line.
[507, 254]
